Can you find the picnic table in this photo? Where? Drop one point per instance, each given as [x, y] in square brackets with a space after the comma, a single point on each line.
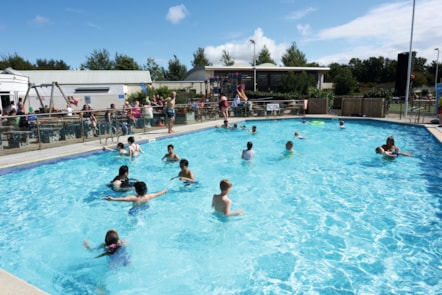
[17, 138]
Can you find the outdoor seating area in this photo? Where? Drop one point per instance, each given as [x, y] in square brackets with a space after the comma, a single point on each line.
[55, 129]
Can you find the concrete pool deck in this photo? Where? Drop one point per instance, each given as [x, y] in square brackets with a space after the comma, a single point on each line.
[13, 285]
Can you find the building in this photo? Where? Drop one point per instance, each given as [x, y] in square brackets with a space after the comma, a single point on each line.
[98, 88]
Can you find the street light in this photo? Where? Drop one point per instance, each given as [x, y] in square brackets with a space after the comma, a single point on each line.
[410, 53]
[437, 72]
[254, 64]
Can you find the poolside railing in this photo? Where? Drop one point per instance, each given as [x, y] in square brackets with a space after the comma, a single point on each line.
[36, 131]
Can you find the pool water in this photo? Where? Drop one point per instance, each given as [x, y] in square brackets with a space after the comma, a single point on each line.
[335, 218]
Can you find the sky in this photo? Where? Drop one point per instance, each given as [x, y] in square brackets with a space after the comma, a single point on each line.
[325, 31]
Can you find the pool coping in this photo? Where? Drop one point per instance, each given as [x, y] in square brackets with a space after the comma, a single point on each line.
[14, 285]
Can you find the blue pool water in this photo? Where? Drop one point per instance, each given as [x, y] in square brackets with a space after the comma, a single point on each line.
[335, 218]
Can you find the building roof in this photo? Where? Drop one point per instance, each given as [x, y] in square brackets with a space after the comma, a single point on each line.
[87, 77]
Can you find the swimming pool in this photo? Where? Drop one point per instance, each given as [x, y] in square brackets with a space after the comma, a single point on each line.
[335, 218]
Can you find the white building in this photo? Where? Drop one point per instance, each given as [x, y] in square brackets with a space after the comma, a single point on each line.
[12, 86]
[98, 88]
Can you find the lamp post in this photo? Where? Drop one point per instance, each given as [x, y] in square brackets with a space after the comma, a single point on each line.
[437, 72]
[410, 53]
[254, 64]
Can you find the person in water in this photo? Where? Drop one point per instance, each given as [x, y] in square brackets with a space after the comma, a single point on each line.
[119, 148]
[170, 156]
[221, 202]
[248, 153]
[134, 148]
[289, 147]
[391, 154]
[185, 174]
[141, 198]
[121, 181]
[112, 244]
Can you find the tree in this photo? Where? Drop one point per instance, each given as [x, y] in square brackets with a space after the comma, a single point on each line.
[99, 60]
[16, 62]
[124, 62]
[176, 70]
[335, 69]
[200, 59]
[264, 57]
[44, 64]
[356, 68]
[297, 82]
[156, 72]
[226, 58]
[344, 81]
[293, 57]
[389, 72]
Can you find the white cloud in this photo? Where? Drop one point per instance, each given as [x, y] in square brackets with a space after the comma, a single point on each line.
[242, 50]
[299, 14]
[93, 26]
[385, 31]
[303, 29]
[40, 20]
[176, 13]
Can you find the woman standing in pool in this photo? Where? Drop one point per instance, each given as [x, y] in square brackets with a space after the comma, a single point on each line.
[248, 153]
[134, 148]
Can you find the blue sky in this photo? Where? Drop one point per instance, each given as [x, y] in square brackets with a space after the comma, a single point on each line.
[325, 31]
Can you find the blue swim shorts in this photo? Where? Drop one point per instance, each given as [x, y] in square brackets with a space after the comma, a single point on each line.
[170, 113]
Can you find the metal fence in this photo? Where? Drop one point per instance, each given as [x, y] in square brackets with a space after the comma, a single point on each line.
[36, 131]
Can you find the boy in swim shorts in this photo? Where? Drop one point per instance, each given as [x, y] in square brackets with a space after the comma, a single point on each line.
[221, 202]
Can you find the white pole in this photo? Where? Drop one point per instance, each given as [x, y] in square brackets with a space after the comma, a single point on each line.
[407, 90]
[437, 72]
[254, 64]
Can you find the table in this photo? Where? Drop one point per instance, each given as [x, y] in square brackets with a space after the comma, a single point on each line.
[18, 138]
[49, 134]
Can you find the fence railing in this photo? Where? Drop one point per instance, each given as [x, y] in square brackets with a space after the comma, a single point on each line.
[36, 131]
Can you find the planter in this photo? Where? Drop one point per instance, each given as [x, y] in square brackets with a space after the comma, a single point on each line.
[185, 118]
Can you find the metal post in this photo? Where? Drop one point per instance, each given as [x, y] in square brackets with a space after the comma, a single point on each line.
[437, 72]
[410, 53]
[254, 64]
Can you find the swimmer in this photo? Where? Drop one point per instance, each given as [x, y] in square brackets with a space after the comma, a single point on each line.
[185, 173]
[380, 150]
[121, 181]
[119, 148]
[170, 156]
[134, 148]
[289, 147]
[341, 124]
[253, 131]
[389, 145]
[225, 125]
[141, 198]
[391, 154]
[112, 244]
[221, 202]
[248, 153]
[299, 136]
